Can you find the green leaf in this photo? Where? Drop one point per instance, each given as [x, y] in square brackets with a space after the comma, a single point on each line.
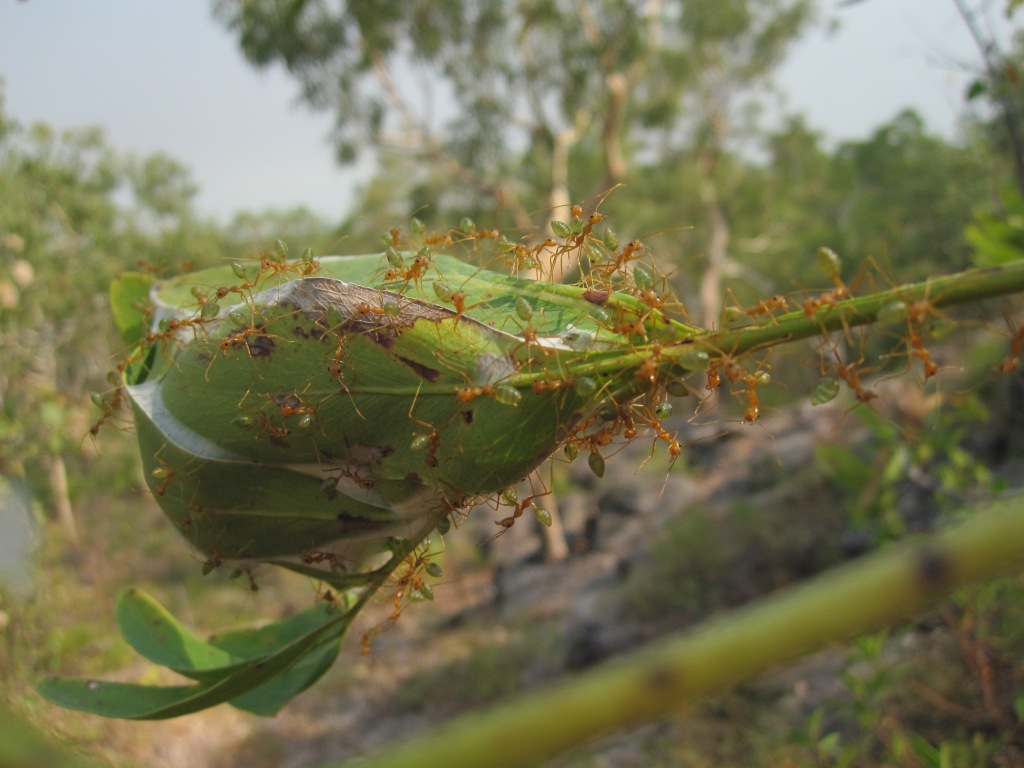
[141, 702]
[156, 635]
[271, 697]
[122, 700]
[128, 294]
[255, 642]
[152, 631]
[977, 88]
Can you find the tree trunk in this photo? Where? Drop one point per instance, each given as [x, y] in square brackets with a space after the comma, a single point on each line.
[556, 549]
[57, 479]
[717, 254]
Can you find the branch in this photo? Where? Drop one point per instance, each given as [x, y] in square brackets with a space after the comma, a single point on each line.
[857, 598]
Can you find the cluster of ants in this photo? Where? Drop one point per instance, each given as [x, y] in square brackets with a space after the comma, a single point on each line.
[249, 334]
[606, 266]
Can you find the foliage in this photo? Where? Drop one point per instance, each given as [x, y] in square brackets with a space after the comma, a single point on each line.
[999, 237]
[326, 416]
[548, 123]
[564, 101]
[60, 206]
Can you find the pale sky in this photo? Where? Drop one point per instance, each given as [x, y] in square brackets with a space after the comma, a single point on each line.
[161, 75]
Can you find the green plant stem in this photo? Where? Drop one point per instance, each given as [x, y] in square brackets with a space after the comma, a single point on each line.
[859, 597]
[948, 290]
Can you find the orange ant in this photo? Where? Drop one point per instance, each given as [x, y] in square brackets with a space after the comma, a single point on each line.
[276, 434]
[628, 253]
[110, 403]
[336, 368]
[277, 263]
[269, 428]
[540, 386]
[851, 376]
[919, 351]
[425, 441]
[517, 511]
[368, 637]
[714, 377]
[652, 299]
[832, 266]
[526, 258]
[653, 417]
[1012, 362]
[648, 371]
[634, 327]
[753, 403]
[675, 449]
[457, 299]
[413, 274]
[734, 372]
[850, 373]
[170, 327]
[365, 483]
[329, 487]
[768, 306]
[412, 581]
[253, 587]
[292, 405]
[506, 394]
[469, 394]
[577, 231]
[164, 473]
[269, 266]
[827, 299]
[244, 289]
[315, 557]
[434, 239]
[261, 346]
[916, 312]
[212, 563]
[224, 290]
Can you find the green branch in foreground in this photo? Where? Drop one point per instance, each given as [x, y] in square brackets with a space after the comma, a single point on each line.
[948, 290]
[872, 592]
[895, 304]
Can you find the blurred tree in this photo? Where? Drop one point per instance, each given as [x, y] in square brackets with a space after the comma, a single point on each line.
[73, 214]
[999, 81]
[904, 195]
[516, 107]
[527, 106]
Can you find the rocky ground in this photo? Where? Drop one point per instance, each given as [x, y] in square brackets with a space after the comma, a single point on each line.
[745, 511]
[572, 609]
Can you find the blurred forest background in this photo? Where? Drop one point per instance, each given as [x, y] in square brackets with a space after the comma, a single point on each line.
[508, 113]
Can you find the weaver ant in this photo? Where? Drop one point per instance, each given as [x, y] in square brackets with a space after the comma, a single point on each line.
[735, 373]
[292, 405]
[618, 262]
[849, 373]
[832, 266]
[164, 473]
[916, 312]
[316, 557]
[110, 403]
[1012, 362]
[169, 327]
[457, 299]
[769, 306]
[415, 566]
[413, 274]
